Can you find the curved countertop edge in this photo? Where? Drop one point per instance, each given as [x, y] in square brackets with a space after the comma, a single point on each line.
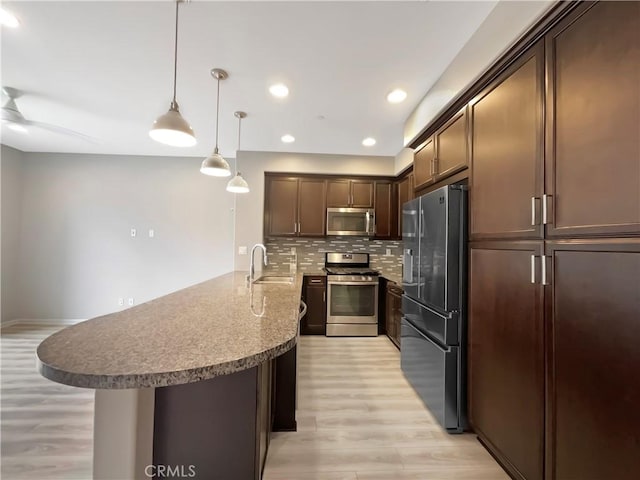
[168, 377]
[160, 379]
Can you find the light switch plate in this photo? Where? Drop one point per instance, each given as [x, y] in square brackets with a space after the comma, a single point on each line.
[151, 233]
[133, 232]
[242, 250]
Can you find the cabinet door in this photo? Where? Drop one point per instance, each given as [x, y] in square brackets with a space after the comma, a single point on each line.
[423, 172]
[385, 211]
[281, 210]
[362, 193]
[338, 193]
[314, 322]
[593, 394]
[312, 201]
[507, 147]
[506, 354]
[452, 151]
[593, 113]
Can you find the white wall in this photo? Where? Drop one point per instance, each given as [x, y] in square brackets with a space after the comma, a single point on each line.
[11, 168]
[403, 159]
[249, 207]
[506, 23]
[76, 254]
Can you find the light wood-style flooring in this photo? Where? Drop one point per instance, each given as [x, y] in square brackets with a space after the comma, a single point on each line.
[358, 419]
[47, 428]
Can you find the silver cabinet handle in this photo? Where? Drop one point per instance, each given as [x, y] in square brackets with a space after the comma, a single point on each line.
[546, 217]
[324, 296]
[545, 281]
[431, 167]
[534, 210]
[299, 227]
[533, 269]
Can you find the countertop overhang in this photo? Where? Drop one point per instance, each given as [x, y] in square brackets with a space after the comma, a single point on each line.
[214, 328]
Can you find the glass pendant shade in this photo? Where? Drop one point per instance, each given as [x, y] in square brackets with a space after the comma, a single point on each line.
[172, 129]
[238, 184]
[215, 165]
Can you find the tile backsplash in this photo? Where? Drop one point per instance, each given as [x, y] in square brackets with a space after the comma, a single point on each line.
[307, 254]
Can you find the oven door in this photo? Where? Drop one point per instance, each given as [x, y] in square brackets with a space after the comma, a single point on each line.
[352, 302]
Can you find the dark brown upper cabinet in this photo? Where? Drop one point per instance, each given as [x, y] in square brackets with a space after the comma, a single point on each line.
[506, 354]
[350, 193]
[592, 121]
[294, 206]
[423, 173]
[386, 224]
[507, 153]
[452, 146]
[593, 308]
[443, 154]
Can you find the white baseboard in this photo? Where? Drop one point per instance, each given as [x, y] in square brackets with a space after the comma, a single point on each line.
[63, 322]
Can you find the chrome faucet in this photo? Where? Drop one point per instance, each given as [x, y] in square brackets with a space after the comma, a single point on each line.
[252, 270]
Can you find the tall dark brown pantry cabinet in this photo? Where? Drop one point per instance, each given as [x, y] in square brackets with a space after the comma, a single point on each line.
[554, 253]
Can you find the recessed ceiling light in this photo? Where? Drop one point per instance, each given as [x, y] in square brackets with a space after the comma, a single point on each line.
[369, 142]
[279, 90]
[288, 138]
[8, 19]
[396, 96]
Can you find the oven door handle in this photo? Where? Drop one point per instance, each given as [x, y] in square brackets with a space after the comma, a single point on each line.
[352, 283]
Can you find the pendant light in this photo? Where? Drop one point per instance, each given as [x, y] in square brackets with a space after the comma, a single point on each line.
[171, 128]
[215, 165]
[238, 184]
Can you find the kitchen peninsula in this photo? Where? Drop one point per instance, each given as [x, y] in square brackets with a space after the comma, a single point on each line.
[181, 381]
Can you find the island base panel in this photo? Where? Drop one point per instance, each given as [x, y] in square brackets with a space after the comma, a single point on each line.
[210, 427]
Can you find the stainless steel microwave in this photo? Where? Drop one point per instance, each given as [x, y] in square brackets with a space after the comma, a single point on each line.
[351, 221]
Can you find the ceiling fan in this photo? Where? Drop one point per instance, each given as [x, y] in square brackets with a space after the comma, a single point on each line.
[14, 120]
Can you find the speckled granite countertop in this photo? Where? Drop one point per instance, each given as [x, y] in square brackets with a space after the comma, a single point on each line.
[394, 278]
[210, 329]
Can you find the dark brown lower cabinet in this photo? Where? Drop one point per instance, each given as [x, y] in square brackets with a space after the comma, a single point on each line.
[314, 294]
[593, 309]
[220, 426]
[393, 314]
[506, 354]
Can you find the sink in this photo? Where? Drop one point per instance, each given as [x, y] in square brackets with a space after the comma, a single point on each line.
[274, 279]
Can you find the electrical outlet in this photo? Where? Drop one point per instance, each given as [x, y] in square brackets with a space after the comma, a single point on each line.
[388, 252]
[151, 233]
[133, 232]
[131, 301]
[120, 302]
[242, 250]
[293, 250]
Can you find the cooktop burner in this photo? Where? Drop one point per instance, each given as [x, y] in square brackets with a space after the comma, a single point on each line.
[337, 263]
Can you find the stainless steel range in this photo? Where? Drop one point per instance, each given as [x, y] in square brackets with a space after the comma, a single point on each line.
[352, 292]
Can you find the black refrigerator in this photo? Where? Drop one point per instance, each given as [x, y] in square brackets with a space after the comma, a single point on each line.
[433, 332]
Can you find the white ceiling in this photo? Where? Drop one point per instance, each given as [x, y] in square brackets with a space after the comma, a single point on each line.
[105, 69]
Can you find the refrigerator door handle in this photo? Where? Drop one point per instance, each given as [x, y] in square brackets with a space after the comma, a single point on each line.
[408, 264]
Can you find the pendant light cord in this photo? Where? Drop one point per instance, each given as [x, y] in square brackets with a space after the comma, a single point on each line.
[239, 126]
[175, 55]
[217, 113]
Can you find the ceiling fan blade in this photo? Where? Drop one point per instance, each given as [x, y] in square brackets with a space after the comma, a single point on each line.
[61, 130]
